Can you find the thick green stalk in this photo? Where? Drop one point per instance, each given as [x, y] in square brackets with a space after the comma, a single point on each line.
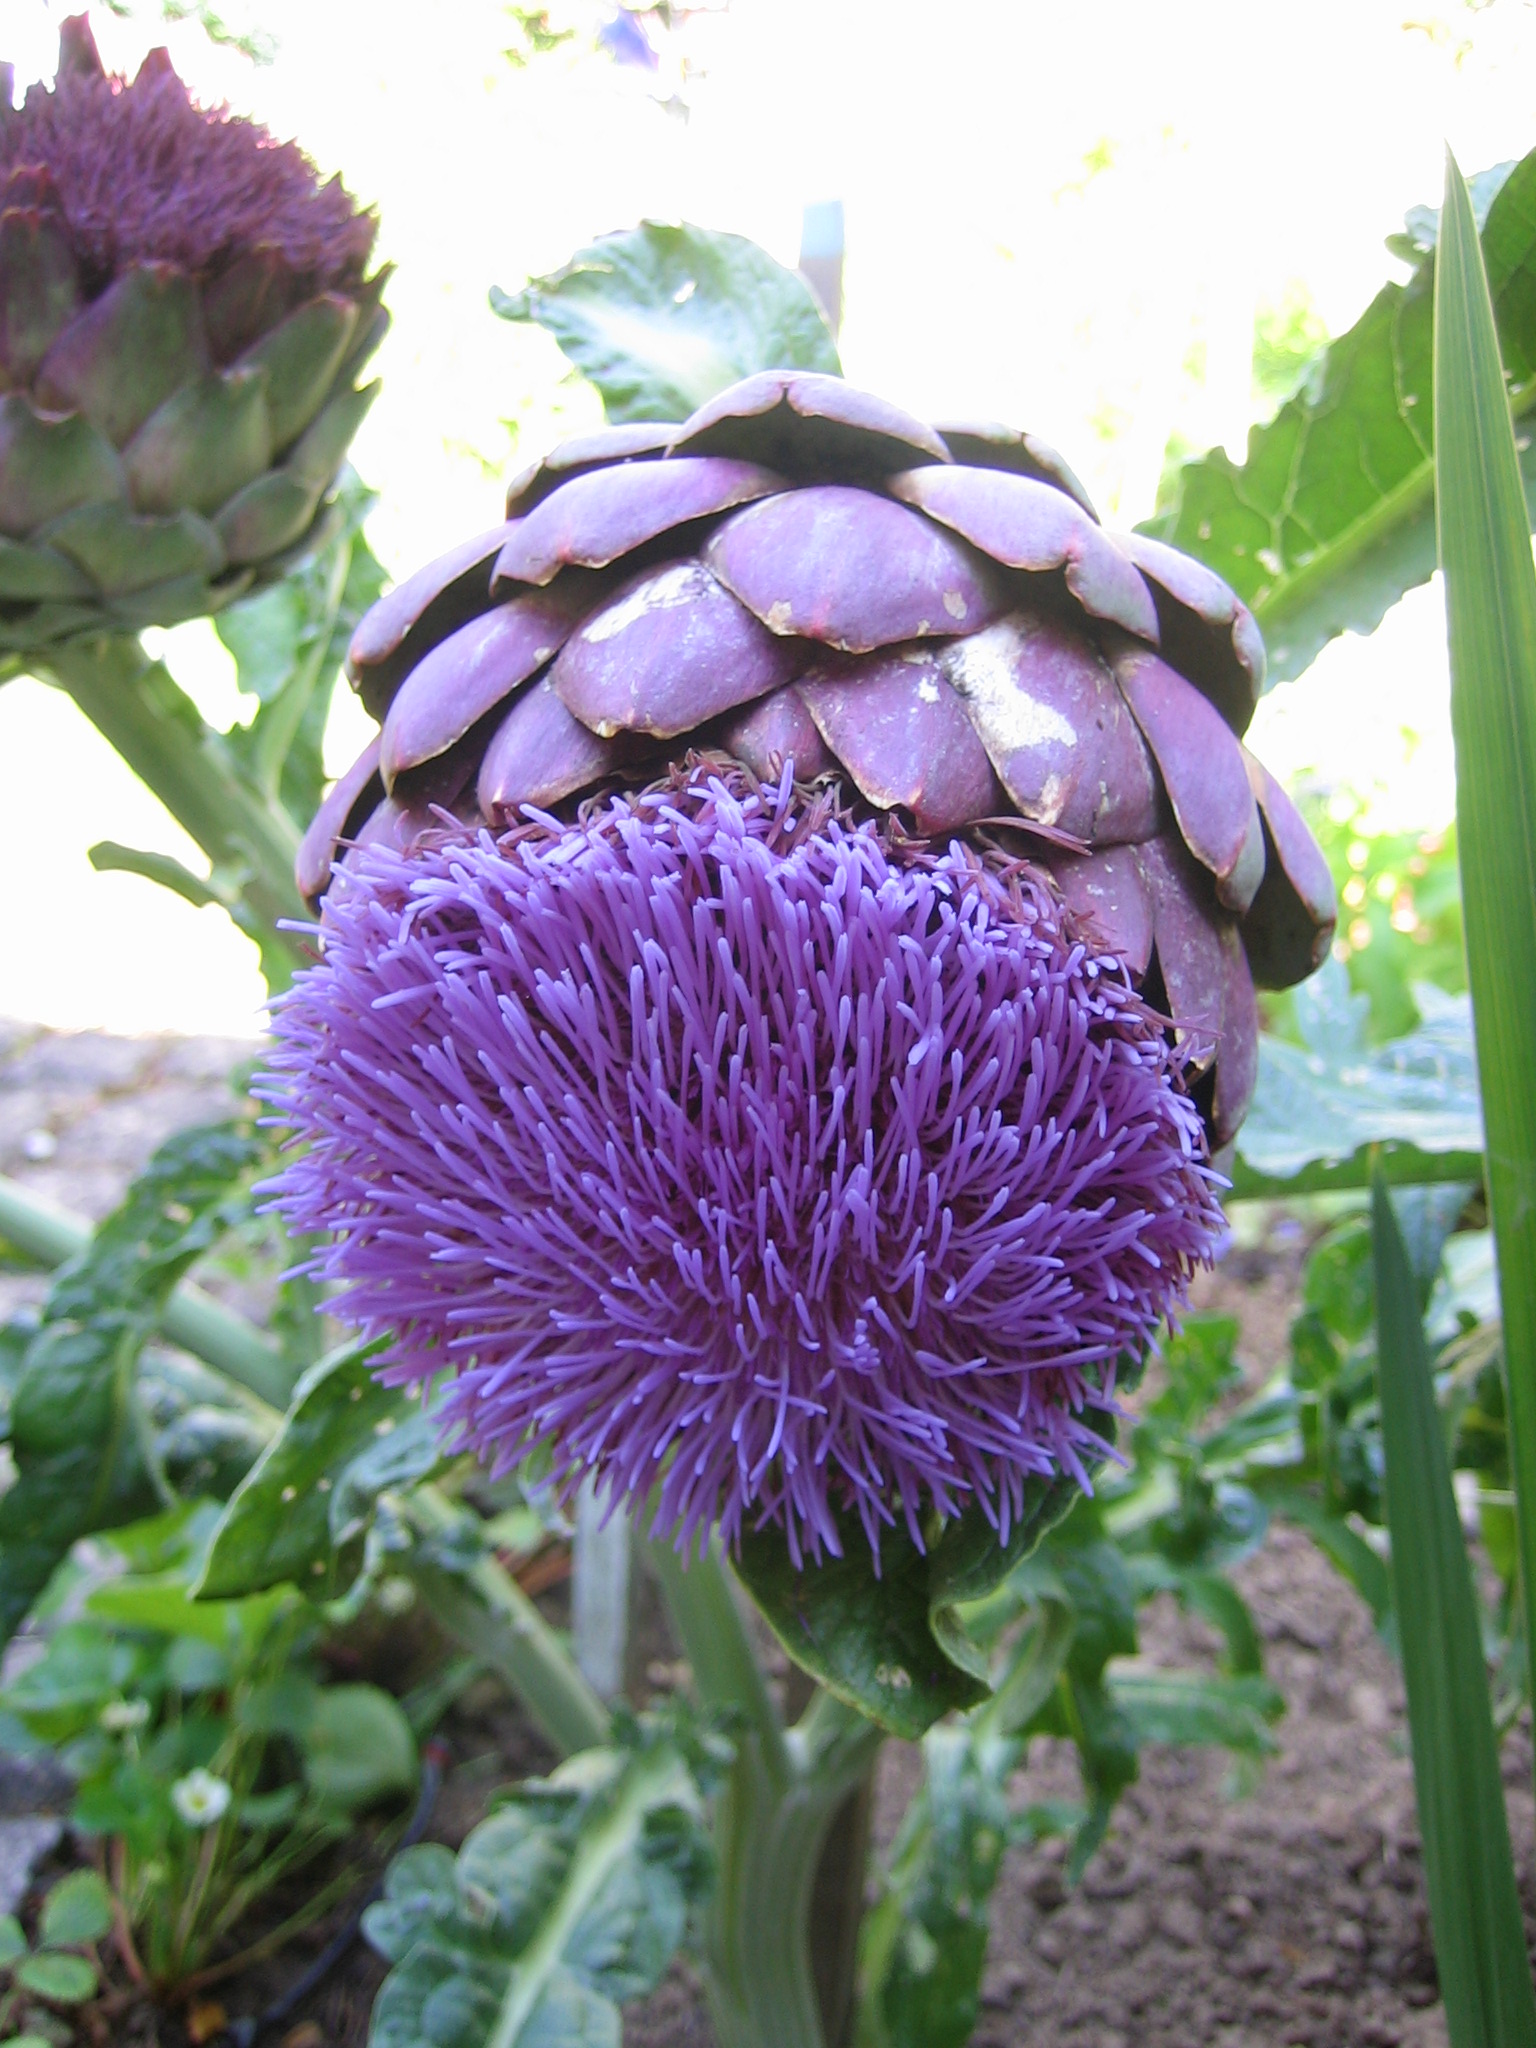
[138, 708]
[772, 1818]
[487, 1613]
[191, 1318]
[1490, 598]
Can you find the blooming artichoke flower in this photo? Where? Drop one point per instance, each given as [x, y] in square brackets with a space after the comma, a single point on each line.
[184, 309]
[785, 958]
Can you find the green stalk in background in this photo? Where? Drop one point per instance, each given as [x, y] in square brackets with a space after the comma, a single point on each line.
[1490, 588]
[1469, 1873]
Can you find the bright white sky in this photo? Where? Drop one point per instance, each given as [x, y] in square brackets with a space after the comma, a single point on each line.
[1059, 216]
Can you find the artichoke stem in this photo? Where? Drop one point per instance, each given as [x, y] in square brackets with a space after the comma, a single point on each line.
[139, 709]
[487, 1612]
[791, 1832]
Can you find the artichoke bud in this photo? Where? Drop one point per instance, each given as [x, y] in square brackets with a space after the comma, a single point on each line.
[185, 309]
[934, 617]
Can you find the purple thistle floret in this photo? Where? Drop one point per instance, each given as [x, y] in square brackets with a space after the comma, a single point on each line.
[142, 174]
[723, 1146]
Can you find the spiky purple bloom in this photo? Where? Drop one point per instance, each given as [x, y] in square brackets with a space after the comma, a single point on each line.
[723, 1145]
[140, 173]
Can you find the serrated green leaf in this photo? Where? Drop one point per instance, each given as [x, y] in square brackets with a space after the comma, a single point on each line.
[1469, 1872]
[277, 1526]
[1331, 516]
[1490, 599]
[1320, 1109]
[79, 1434]
[923, 1948]
[660, 318]
[1193, 1708]
[62, 1980]
[1218, 1601]
[77, 1909]
[573, 1896]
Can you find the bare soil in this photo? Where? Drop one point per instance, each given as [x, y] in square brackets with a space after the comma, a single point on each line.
[1288, 1911]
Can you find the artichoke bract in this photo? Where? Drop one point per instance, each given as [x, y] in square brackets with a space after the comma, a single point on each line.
[785, 960]
[184, 311]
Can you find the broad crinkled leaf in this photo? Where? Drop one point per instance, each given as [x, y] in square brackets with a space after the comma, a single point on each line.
[1320, 1107]
[571, 1898]
[662, 317]
[1332, 515]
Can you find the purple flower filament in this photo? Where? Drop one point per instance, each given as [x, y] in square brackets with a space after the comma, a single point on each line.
[719, 1145]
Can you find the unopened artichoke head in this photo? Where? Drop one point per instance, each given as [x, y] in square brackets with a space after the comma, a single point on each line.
[184, 310]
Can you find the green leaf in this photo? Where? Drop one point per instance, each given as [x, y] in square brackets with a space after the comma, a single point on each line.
[1469, 1872]
[1320, 1108]
[660, 318]
[358, 1748]
[160, 1604]
[1331, 517]
[1218, 1601]
[108, 856]
[130, 1801]
[571, 1898]
[80, 1437]
[63, 1980]
[80, 1670]
[78, 1909]
[1189, 1707]
[1490, 600]
[892, 1643]
[924, 1946]
[278, 1525]
[13, 1942]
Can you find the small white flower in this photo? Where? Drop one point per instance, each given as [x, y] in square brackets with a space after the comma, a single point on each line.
[124, 1717]
[200, 1798]
[396, 1596]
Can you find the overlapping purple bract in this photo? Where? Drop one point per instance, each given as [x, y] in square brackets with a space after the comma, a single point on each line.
[719, 1145]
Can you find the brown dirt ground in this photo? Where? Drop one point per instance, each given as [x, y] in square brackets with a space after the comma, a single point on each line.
[1290, 1912]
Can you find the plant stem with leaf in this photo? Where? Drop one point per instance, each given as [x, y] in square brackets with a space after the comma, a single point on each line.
[140, 710]
[487, 1613]
[773, 1816]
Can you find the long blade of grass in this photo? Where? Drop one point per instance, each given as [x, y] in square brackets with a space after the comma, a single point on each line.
[1485, 1980]
[1490, 589]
